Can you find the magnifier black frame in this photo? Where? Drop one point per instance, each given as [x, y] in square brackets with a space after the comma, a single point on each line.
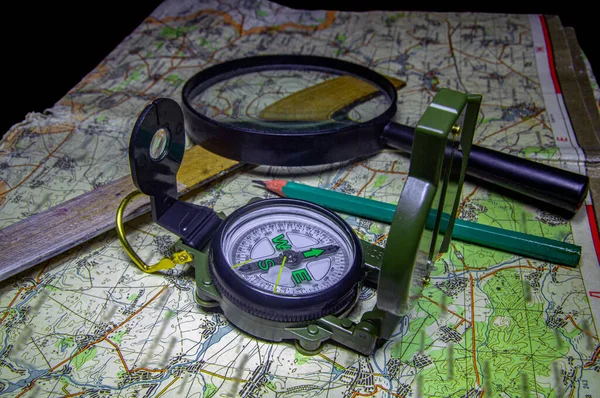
[286, 148]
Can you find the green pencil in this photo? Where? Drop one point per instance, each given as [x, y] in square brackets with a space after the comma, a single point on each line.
[537, 247]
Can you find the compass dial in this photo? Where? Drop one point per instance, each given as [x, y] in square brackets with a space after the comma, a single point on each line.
[286, 253]
[294, 256]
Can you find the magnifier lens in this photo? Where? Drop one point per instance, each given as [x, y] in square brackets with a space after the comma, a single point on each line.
[289, 101]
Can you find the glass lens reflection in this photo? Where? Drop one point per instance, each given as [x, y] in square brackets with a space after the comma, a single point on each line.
[290, 100]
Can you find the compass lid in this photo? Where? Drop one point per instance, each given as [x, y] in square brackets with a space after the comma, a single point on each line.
[422, 224]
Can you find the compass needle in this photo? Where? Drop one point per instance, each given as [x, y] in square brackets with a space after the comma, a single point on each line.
[279, 275]
[242, 263]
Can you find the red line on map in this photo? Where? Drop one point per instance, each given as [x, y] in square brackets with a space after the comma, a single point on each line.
[7, 310]
[473, 334]
[550, 54]
[341, 180]
[52, 369]
[52, 152]
[513, 266]
[119, 354]
[458, 324]
[511, 126]
[77, 394]
[149, 370]
[594, 358]
[377, 388]
[464, 202]
[448, 310]
[586, 332]
[594, 294]
[461, 259]
[381, 238]
[382, 170]
[367, 184]
[594, 228]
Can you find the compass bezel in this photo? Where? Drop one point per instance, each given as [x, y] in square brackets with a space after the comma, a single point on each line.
[334, 300]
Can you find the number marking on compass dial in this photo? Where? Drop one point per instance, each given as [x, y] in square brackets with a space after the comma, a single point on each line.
[288, 250]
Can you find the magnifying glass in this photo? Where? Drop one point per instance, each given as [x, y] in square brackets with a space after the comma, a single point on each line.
[298, 110]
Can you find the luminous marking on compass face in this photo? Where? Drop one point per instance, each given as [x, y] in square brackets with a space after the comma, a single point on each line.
[318, 252]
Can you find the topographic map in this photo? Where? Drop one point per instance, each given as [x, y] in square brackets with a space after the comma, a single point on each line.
[90, 323]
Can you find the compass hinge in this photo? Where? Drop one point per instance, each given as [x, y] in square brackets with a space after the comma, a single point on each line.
[194, 224]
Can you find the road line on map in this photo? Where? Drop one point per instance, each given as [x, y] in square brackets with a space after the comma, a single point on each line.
[510, 126]
[145, 61]
[43, 161]
[464, 201]
[30, 387]
[331, 361]
[222, 377]
[109, 341]
[461, 258]
[381, 238]
[148, 370]
[106, 335]
[587, 333]
[7, 310]
[449, 33]
[360, 191]
[77, 394]
[383, 170]
[544, 124]
[377, 388]
[520, 74]
[511, 267]
[37, 278]
[343, 178]
[592, 361]
[473, 330]
[450, 311]
[167, 387]
[458, 324]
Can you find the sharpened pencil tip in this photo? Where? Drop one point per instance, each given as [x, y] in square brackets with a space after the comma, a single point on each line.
[259, 182]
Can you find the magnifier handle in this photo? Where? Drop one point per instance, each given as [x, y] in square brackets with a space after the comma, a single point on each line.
[559, 188]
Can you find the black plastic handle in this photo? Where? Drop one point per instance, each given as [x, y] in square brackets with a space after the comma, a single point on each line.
[558, 188]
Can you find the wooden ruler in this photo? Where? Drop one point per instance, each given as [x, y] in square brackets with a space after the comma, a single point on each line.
[46, 234]
[321, 101]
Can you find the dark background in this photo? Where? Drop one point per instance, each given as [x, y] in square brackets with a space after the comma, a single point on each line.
[48, 47]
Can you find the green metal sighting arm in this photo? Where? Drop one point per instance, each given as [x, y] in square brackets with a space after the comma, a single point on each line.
[435, 180]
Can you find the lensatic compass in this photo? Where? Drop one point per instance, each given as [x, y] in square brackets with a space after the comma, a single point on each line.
[286, 269]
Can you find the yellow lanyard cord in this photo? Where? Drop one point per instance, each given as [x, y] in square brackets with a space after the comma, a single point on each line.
[164, 264]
